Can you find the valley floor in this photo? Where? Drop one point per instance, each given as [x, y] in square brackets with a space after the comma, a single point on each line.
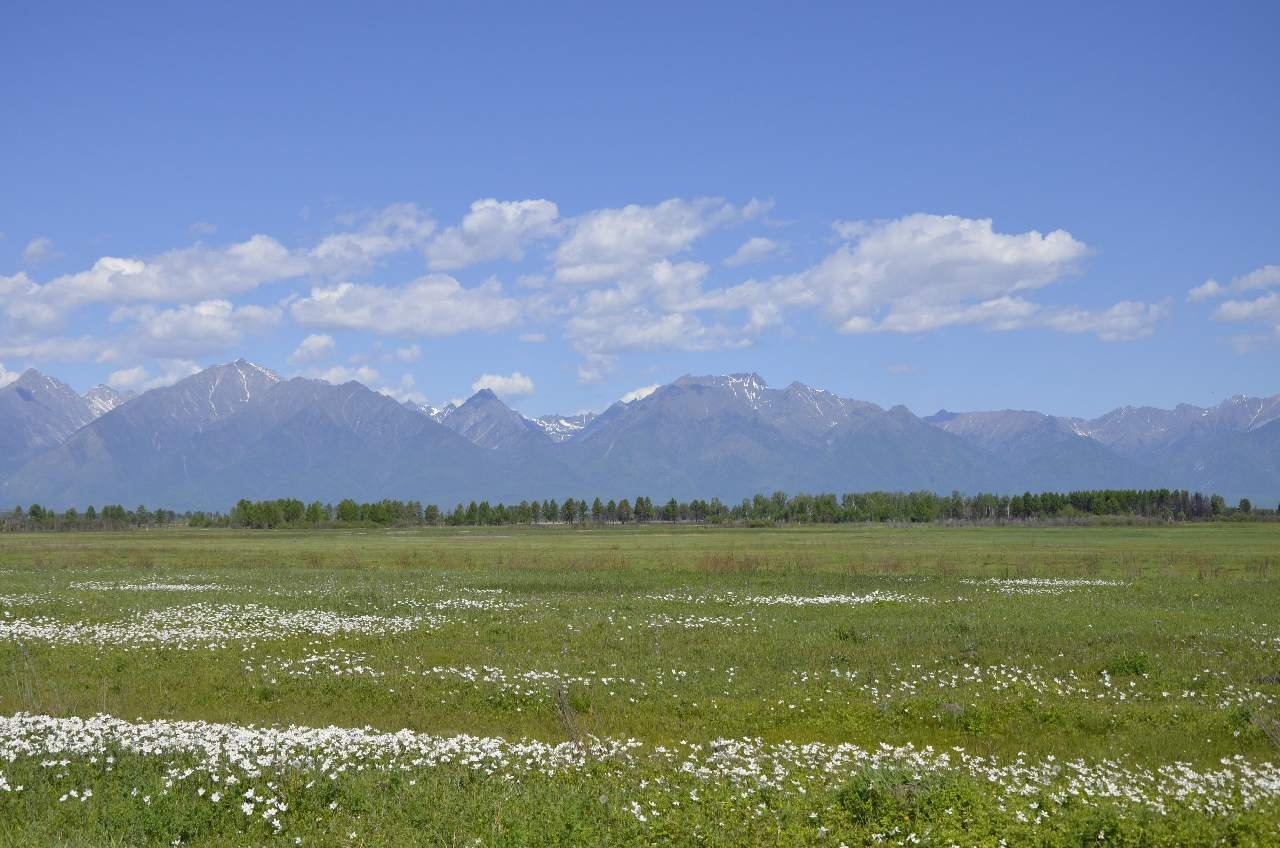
[646, 685]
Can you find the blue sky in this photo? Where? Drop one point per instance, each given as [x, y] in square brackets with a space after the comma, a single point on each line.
[987, 206]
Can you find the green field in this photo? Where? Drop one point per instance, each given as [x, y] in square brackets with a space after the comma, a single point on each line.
[649, 685]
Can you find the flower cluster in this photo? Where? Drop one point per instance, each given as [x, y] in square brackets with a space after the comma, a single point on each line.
[207, 626]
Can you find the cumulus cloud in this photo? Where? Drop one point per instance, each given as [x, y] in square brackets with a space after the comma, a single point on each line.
[617, 280]
[1206, 290]
[314, 347]
[1125, 321]
[435, 305]
[339, 374]
[640, 393]
[15, 285]
[7, 376]
[397, 228]
[193, 329]
[405, 392]
[924, 271]
[128, 378]
[1262, 308]
[753, 250]
[138, 378]
[57, 349]
[186, 275]
[511, 385]
[913, 274]
[38, 250]
[1266, 277]
[493, 229]
[611, 243]
[657, 307]
[1263, 311]
[200, 272]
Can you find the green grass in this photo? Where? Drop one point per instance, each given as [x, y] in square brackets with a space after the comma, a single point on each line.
[1191, 639]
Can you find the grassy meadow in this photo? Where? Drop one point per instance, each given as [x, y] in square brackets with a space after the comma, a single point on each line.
[642, 686]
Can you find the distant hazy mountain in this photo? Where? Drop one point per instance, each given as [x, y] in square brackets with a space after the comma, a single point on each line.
[37, 413]
[103, 399]
[562, 428]
[132, 448]
[488, 422]
[237, 430]
[1034, 448]
[734, 436]
[1138, 431]
[1232, 448]
[435, 413]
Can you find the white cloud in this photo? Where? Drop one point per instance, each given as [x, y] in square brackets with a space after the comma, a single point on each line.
[435, 305]
[1206, 290]
[313, 347]
[900, 370]
[202, 228]
[7, 376]
[139, 378]
[611, 243]
[193, 329]
[513, 385]
[397, 228]
[908, 275]
[192, 274]
[38, 250]
[640, 329]
[493, 229]
[640, 393]
[753, 250]
[630, 280]
[654, 308]
[924, 271]
[1125, 321]
[340, 374]
[128, 378]
[1263, 310]
[186, 275]
[15, 285]
[1266, 277]
[57, 349]
[404, 392]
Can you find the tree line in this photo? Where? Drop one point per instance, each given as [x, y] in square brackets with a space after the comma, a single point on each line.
[760, 510]
[775, 508]
[110, 517]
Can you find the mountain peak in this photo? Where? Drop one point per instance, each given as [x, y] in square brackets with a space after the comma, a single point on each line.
[241, 364]
[102, 399]
[31, 378]
[749, 387]
[486, 421]
[562, 428]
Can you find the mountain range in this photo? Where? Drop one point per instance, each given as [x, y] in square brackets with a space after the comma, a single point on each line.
[239, 430]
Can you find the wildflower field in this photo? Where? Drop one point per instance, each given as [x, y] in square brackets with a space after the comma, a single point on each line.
[644, 685]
